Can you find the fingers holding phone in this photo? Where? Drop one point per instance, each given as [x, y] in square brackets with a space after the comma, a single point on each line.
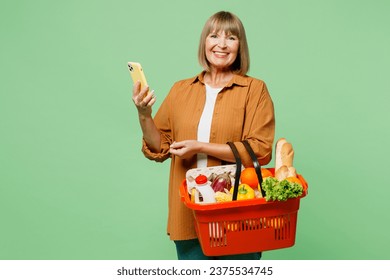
[143, 98]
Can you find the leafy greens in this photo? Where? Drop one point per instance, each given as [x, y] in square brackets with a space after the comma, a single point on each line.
[280, 190]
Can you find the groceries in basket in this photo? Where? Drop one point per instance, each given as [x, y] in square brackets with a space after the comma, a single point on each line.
[216, 184]
[231, 226]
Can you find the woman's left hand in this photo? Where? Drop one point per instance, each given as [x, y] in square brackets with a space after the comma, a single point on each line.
[185, 149]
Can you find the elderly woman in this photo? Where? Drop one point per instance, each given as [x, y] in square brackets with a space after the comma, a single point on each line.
[201, 114]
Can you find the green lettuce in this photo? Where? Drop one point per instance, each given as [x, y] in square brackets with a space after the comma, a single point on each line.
[280, 190]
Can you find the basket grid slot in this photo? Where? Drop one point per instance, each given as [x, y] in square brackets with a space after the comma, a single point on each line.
[282, 226]
[217, 234]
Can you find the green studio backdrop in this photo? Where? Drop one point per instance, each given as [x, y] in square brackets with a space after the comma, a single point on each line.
[73, 181]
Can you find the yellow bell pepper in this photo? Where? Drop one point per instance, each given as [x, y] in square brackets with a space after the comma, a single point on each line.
[244, 192]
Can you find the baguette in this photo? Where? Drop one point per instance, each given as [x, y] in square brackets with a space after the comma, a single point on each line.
[278, 154]
[281, 173]
[284, 154]
[292, 172]
[287, 154]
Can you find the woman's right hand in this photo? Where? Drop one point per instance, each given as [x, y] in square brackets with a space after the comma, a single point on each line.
[143, 99]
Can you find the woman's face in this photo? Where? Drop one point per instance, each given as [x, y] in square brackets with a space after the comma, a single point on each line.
[221, 50]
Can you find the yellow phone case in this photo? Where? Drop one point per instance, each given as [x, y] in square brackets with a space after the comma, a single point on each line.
[137, 74]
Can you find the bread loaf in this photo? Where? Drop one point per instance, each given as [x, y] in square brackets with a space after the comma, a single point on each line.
[284, 153]
[287, 154]
[281, 173]
[278, 154]
[284, 157]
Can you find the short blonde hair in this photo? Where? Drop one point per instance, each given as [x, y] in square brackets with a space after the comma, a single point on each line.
[232, 25]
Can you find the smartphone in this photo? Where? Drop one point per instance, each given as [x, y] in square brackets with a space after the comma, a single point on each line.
[137, 74]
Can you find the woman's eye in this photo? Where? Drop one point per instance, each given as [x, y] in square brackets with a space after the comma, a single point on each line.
[233, 38]
[213, 35]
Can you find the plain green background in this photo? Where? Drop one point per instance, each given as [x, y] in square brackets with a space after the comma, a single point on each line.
[73, 181]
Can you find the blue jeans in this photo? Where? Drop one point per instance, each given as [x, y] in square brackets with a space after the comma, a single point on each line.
[191, 250]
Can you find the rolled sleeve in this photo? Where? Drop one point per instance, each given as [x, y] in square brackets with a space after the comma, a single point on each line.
[159, 157]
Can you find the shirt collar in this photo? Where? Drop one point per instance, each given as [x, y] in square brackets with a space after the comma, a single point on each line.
[236, 80]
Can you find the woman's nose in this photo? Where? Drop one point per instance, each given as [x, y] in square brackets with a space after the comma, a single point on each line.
[222, 42]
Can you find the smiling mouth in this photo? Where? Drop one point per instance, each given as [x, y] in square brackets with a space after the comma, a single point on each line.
[221, 53]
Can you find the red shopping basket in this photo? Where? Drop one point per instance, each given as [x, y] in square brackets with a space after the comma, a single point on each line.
[245, 226]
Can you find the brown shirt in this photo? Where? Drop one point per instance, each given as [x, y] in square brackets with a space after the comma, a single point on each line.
[243, 110]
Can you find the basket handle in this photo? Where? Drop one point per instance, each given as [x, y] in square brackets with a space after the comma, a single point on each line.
[256, 165]
[238, 169]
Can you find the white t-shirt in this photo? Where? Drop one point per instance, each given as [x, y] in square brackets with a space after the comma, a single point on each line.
[205, 121]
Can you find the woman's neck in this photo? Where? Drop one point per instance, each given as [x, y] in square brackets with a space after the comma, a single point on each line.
[218, 79]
